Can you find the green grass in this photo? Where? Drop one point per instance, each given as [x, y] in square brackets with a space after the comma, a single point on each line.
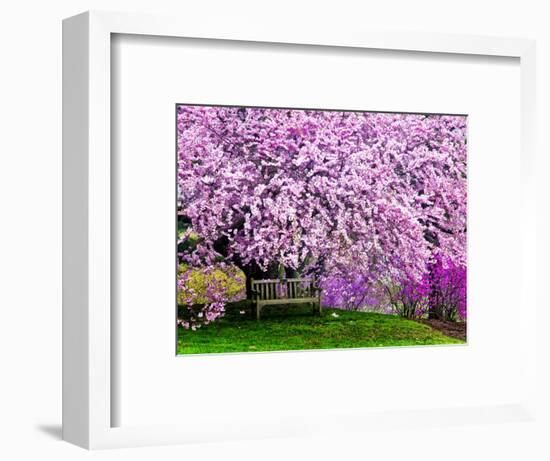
[296, 328]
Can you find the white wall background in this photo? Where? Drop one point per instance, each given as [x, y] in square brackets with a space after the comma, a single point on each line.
[30, 225]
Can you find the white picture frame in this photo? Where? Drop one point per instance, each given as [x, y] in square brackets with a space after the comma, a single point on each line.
[87, 359]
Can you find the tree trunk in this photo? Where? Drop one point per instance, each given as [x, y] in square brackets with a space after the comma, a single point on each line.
[251, 271]
[248, 282]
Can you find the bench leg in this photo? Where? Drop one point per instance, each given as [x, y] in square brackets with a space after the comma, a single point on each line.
[258, 308]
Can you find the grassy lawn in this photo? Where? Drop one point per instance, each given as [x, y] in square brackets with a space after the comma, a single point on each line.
[295, 328]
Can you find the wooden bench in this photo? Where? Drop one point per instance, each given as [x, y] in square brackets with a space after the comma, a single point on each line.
[285, 291]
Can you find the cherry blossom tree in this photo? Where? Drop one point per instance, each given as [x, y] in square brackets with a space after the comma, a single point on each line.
[321, 192]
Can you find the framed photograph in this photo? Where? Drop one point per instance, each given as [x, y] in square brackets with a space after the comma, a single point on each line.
[256, 219]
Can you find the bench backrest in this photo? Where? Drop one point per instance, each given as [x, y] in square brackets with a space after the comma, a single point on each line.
[298, 288]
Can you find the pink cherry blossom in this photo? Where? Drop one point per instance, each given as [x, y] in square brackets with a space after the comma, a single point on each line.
[321, 192]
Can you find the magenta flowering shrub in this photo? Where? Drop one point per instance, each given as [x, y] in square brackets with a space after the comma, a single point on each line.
[439, 294]
[320, 193]
[446, 286]
[410, 298]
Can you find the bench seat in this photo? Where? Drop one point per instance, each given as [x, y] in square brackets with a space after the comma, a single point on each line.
[268, 292]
